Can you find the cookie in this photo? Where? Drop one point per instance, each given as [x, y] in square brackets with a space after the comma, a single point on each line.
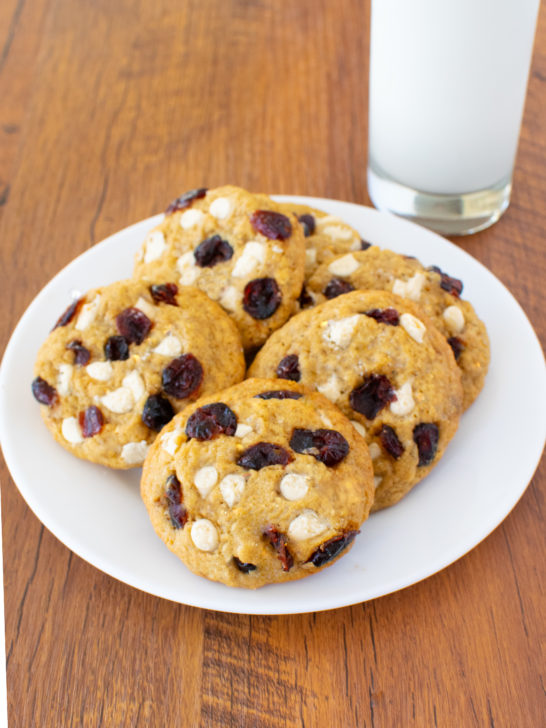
[263, 482]
[236, 247]
[438, 294]
[382, 362]
[326, 236]
[123, 359]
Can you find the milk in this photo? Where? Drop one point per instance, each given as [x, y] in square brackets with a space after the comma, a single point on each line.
[447, 87]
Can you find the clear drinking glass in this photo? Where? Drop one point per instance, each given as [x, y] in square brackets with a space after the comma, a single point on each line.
[447, 87]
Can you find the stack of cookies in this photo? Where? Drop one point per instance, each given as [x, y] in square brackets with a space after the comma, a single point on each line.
[360, 363]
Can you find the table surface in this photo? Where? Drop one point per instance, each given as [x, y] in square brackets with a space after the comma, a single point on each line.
[110, 109]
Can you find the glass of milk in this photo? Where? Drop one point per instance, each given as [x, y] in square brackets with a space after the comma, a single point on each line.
[447, 87]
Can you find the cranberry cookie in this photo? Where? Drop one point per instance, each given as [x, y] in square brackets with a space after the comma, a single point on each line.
[382, 362]
[438, 294]
[238, 248]
[123, 359]
[263, 482]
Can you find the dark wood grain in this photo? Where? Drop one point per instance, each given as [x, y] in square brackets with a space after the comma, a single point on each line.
[109, 109]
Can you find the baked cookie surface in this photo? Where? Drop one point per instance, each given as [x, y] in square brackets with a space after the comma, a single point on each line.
[237, 247]
[123, 359]
[326, 236]
[263, 482]
[382, 362]
[437, 293]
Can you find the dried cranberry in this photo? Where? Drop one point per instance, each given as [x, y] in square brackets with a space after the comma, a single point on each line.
[449, 284]
[384, 316]
[279, 394]
[157, 412]
[81, 354]
[426, 437]
[91, 421]
[457, 346]
[304, 299]
[67, 316]
[308, 224]
[212, 251]
[289, 368]
[262, 297]
[327, 446]
[279, 542]
[331, 548]
[391, 443]
[337, 287]
[182, 377]
[263, 454]
[373, 394]
[116, 348]
[185, 200]
[44, 392]
[165, 293]
[273, 225]
[211, 420]
[176, 509]
[244, 567]
[134, 325]
[364, 244]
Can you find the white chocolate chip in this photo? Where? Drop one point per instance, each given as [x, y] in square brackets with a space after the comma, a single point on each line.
[154, 246]
[454, 318]
[230, 298]
[306, 525]
[356, 245]
[100, 370]
[277, 249]
[88, 313]
[310, 256]
[337, 232]
[221, 208]
[232, 487]
[339, 333]
[134, 383]
[205, 479]
[359, 428]
[63, 379]
[409, 289]
[330, 389]
[146, 307]
[294, 486]
[325, 221]
[414, 326]
[119, 400]
[169, 346]
[344, 266]
[72, 431]
[253, 255]
[187, 268]
[242, 430]
[170, 441]
[377, 480]
[404, 403]
[190, 218]
[375, 450]
[204, 535]
[134, 453]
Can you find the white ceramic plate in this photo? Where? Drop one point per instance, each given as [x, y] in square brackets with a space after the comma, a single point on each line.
[98, 513]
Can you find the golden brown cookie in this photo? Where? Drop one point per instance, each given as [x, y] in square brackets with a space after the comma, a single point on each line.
[263, 482]
[123, 359]
[438, 294]
[326, 236]
[382, 362]
[238, 248]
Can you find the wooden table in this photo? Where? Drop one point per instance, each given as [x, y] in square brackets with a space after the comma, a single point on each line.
[108, 110]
